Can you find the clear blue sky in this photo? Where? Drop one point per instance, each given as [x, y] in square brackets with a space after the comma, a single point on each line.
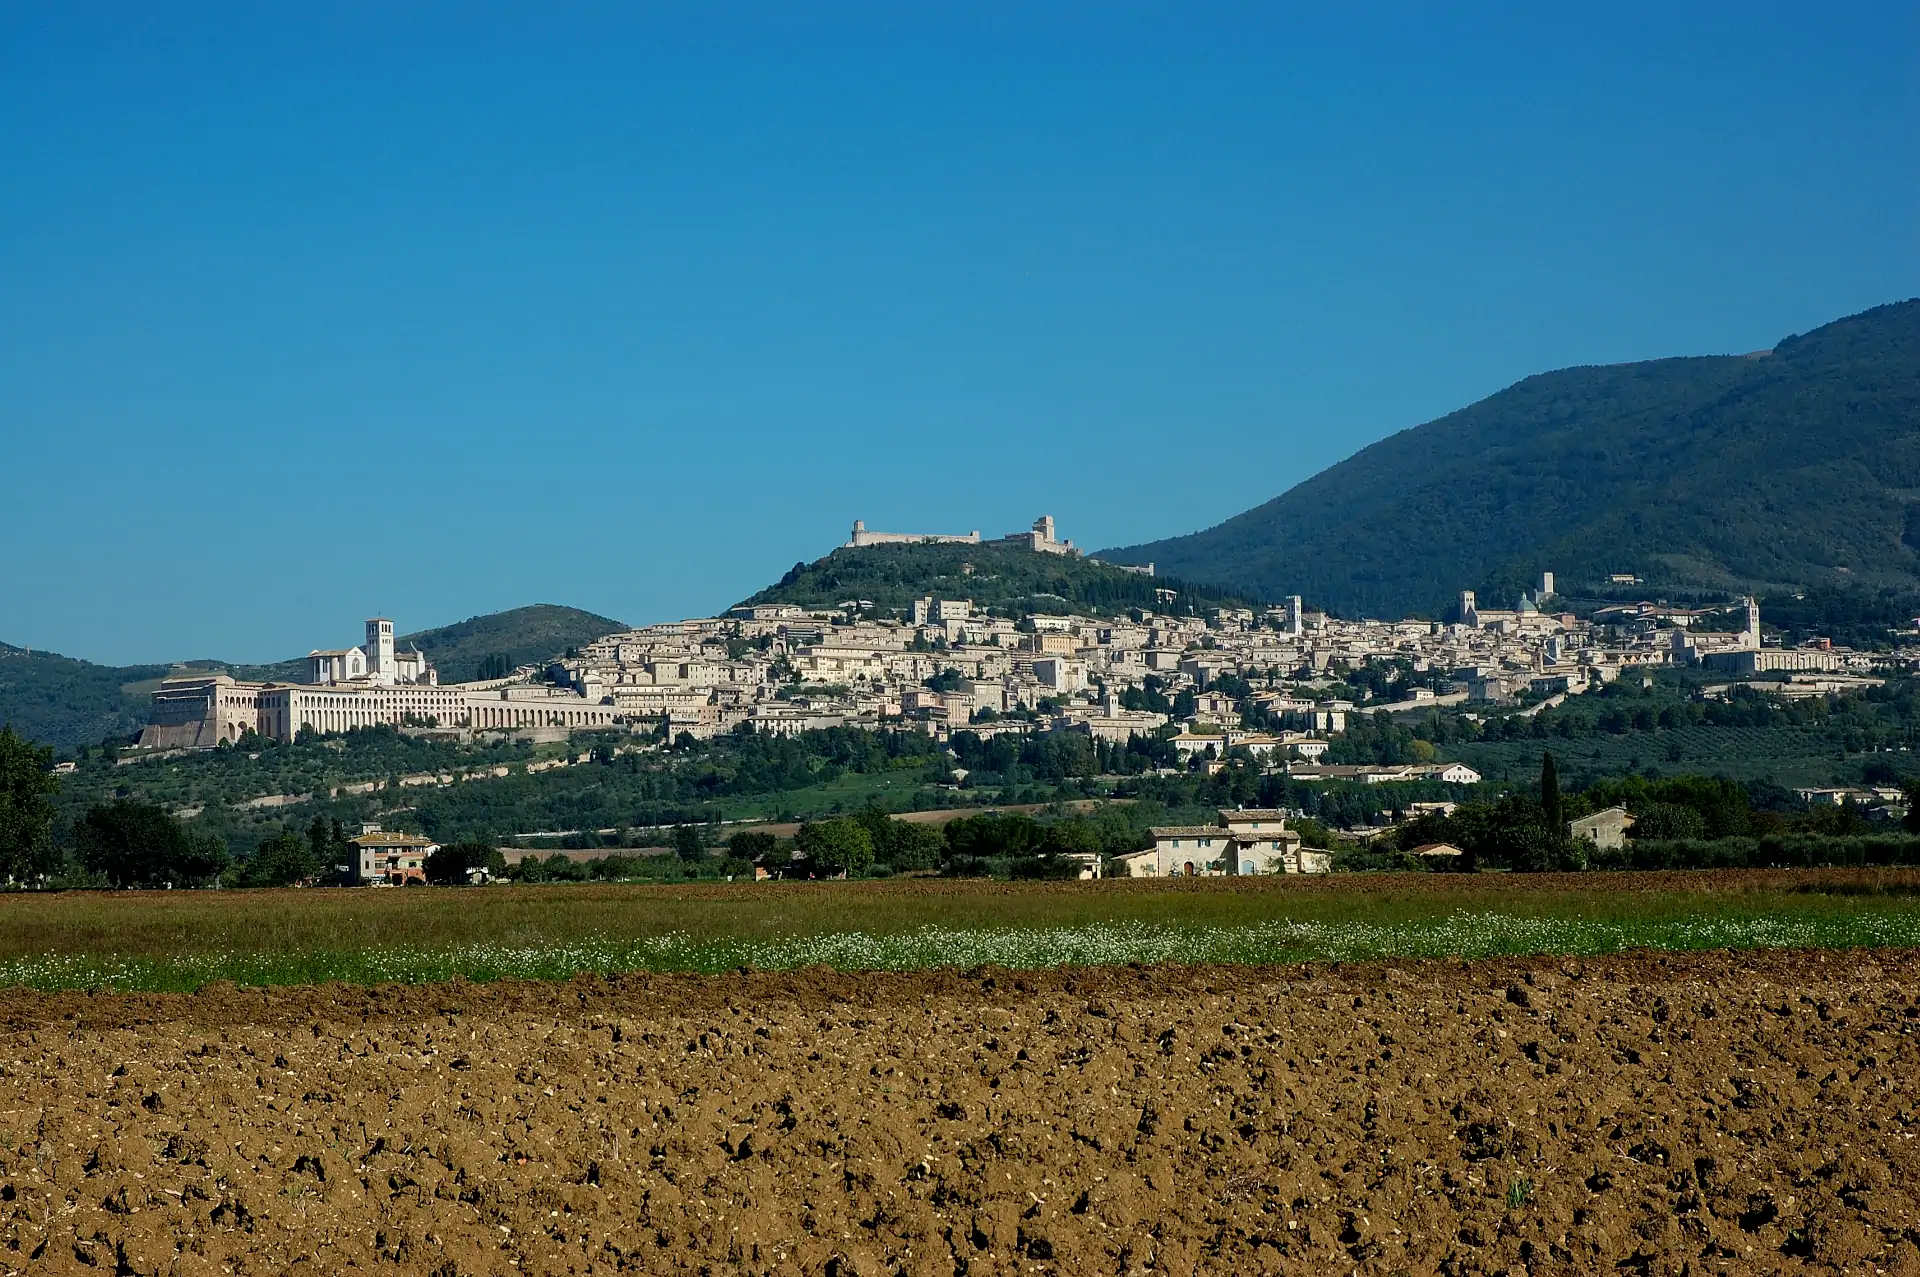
[315, 311]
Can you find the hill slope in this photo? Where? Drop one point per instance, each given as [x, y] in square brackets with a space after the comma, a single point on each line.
[993, 576]
[1798, 467]
[60, 701]
[526, 635]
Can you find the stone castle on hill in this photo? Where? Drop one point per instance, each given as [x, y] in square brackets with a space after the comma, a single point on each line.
[1041, 539]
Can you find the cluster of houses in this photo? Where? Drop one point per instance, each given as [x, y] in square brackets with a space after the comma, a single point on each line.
[945, 665]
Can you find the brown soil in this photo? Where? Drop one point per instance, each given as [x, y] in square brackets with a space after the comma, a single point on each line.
[1644, 1115]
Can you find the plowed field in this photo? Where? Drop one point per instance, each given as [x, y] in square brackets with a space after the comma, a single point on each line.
[1654, 1114]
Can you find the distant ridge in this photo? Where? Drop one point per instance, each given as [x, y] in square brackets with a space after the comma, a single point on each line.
[1790, 468]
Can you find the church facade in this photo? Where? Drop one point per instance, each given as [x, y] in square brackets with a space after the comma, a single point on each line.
[349, 688]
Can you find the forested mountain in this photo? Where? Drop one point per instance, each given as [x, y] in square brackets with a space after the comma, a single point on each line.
[65, 702]
[994, 576]
[1791, 468]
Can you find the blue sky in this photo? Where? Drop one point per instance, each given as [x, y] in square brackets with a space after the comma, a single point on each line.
[313, 312]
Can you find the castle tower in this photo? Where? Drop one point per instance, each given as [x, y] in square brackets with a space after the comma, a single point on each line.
[380, 663]
[1546, 586]
[1296, 615]
[1469, 612]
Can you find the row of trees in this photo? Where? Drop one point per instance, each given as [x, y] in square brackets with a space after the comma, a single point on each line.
[1530, 831]
[123, 843]
[1883, 717]
[1011, 844]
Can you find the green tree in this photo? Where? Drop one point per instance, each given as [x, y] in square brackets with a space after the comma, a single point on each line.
[1664, 821]
[947, 680]
[1550, 806]
[689, 844]
[993, 837]
[1841, 821]
[1069, 837]
[751, 845]
[450, 866]
[841, 844]
[1911, 792]
[1316, 835]
[27, 788]
[281, 861]
[327, 843]
[135, 844]
[913, 846]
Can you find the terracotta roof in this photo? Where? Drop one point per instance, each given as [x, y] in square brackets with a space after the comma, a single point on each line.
[392, 840]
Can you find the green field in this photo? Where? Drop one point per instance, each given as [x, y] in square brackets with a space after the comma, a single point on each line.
[180, 940]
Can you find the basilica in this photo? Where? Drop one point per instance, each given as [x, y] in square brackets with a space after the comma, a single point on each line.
[352, 688]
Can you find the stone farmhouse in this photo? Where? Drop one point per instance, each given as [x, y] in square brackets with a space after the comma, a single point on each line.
[391, 859]
[1246, 841]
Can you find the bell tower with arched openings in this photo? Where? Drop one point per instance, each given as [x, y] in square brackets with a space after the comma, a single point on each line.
[380, 663]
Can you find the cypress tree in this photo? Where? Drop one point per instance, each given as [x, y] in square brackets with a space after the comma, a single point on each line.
[1550, 795]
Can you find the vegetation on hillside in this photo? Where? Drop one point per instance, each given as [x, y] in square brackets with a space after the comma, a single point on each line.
[483, 646]
[63, 702]
[629, 786]
[629, 789]
[1767, 473]
[1003, 579]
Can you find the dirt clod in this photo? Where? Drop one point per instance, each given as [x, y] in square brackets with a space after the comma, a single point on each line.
[1660, 1115]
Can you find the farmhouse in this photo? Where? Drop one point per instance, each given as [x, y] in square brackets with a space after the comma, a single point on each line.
[1606, 830]
[392, 859]
[1376, 774]
[1247, 841]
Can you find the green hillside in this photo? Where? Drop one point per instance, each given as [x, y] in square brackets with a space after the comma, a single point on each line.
[993, 576]
[66, 702]
[60, 701]
[1798, 467]
[524, 634]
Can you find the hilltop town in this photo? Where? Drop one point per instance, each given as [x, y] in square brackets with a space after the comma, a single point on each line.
[1278, 682]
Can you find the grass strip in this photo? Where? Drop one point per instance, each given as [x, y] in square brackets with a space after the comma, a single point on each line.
[1460, 933]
